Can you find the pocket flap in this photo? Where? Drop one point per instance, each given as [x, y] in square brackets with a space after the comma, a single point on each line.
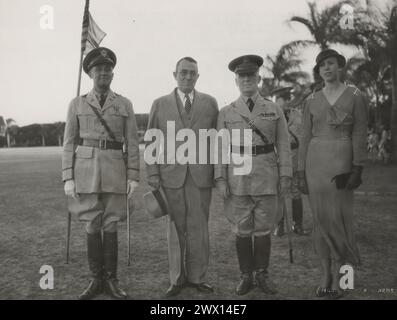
[271, 116]
[84, 152]
[118, 111]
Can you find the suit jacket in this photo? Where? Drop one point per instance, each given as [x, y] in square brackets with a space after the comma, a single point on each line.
[96, 170]
[203, 115]
[266, 168]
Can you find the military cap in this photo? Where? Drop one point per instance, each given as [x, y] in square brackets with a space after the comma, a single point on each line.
[327, 53]
[246, 64]
[281, 91]
[97, 56]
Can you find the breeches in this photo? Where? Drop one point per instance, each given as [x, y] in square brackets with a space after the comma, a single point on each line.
[251, 215]
[99, 210]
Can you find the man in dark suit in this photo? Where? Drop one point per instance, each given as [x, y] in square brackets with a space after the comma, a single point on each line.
[187, 186]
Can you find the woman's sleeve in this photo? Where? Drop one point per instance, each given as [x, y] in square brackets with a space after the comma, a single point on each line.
[359, 133]
[306, 136]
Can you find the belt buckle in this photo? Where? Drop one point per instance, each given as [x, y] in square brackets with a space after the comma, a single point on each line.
[102, 144]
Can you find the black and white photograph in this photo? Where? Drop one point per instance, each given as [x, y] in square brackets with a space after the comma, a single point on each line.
[216, 153]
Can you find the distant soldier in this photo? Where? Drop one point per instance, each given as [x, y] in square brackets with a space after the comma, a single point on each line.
[96, 174]
[251, 199]
[294, 120]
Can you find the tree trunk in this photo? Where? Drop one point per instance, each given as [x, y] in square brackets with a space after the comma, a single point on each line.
[8, 139]
[42, 140]
[393, 120]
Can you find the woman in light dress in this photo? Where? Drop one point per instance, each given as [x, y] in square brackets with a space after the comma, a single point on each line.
[331, 158]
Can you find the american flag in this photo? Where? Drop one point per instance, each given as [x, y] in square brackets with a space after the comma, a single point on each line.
[91, 35]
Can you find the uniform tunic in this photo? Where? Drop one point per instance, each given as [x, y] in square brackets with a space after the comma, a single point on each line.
[252, 205]
[98, 171]
[334, 139]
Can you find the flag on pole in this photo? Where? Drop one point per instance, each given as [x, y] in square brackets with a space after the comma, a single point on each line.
[91, 35]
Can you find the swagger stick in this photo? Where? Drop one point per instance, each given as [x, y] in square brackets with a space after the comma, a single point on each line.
[128, 233]
[68, 237]
[285, 215]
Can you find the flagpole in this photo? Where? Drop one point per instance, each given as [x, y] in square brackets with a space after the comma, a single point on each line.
[83, 40]
[85, 17]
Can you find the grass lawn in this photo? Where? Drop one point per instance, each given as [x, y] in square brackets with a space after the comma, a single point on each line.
[33, 231]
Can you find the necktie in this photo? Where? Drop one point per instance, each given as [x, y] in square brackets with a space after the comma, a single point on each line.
[250, 104]
[102, 100]
[188, 104]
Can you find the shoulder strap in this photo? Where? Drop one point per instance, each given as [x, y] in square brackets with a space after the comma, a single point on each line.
[253, 126]
[103, 122]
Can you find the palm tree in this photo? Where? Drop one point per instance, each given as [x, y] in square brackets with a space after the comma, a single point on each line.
[393, 26]
[284, 68]
[322, 25]
[375, 32]
[12, 131]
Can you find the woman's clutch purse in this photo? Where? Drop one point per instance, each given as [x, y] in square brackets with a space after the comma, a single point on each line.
[341, 180]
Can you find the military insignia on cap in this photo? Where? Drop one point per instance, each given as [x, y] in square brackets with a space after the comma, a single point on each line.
[104, 53]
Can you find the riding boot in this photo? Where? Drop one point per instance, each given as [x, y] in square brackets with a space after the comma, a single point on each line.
[262, 245]
[95, 263]
[245, 260]
[110, 249]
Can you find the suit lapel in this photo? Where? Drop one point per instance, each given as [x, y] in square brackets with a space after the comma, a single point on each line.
[195, 108]
[174, 110]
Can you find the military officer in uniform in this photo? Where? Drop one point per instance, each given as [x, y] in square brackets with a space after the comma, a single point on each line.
[251, 199]
[294, 120]
[96, 172]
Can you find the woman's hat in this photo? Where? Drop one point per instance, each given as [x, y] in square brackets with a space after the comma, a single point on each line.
[327, 53]
[156, 203]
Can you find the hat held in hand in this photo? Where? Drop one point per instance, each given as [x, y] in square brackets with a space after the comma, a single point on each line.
[156, 203]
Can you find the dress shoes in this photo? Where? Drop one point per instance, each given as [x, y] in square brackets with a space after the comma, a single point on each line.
[113, 290]
[202, 287]
[322, 292]
[335, 294]
[299, 230]
[279, 231]
[245, 285]
[173, 290]
[263, 282]
[94, 288]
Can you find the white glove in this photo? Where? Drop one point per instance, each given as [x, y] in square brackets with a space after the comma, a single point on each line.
[70, 189]
[132, 185]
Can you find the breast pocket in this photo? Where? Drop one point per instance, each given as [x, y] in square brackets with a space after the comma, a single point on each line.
[86, 121]
[234, 124]
[267, 124]
[116, 118]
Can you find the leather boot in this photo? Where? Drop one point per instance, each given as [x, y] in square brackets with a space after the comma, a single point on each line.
[262, 245]
[95, 263]
[245, 260]
[110, 250]
[297, 217]
[279, 231]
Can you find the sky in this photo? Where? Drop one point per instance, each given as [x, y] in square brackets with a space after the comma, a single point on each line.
[39, 67]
